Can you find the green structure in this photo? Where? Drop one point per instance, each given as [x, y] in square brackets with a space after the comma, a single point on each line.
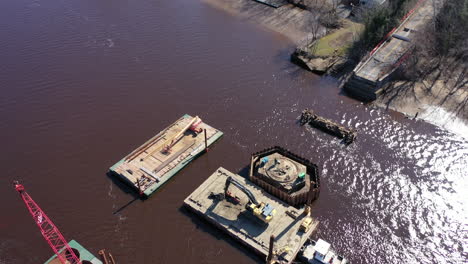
[85, 256]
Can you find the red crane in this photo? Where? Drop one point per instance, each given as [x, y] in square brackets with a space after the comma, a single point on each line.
[48, 230]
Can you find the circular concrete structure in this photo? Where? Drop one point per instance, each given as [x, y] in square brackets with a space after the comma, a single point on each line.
[281, 171]
[289, 177]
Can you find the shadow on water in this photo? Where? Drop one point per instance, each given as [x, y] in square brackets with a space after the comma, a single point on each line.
[294, 71]
[125, 206]
[206, 227]
[244, 172]
[129, 190]
[126, 189]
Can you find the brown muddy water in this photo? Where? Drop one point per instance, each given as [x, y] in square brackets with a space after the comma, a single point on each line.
[85, 82]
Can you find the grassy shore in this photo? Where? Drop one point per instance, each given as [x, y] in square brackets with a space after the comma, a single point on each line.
[338, 42]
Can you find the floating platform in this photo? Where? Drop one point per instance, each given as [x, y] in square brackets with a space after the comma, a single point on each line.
[149, 166]
[328, 126]
[82, 253]
[236, 221]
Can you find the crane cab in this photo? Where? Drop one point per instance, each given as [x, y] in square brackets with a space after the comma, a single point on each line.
[262, 211]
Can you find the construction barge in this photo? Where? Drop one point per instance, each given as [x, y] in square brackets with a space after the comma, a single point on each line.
[82, 253]
[270, 227]
[152, 164]
[308, 116]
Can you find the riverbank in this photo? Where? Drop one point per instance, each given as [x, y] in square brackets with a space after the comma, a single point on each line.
[301, 26]
[437, 102]
[288, 20]
[328, 53]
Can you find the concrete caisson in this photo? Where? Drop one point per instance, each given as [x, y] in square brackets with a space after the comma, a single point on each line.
[291, 178]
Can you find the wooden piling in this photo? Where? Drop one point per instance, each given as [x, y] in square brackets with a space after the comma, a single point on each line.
[102, 253]
[271, 249]
[139, 187]
[112, 258]
[206, 141]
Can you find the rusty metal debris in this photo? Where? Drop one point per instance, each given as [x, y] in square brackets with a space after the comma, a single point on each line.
[308, 116]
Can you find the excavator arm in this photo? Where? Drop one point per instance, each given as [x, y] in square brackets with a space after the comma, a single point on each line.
[261, 211]
[249, 194]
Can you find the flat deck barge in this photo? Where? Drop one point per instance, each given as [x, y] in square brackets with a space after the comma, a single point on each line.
[85, 256]
[236, 221]
[152, 164]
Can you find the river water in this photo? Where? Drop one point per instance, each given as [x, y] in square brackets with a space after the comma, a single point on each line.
[85, 82]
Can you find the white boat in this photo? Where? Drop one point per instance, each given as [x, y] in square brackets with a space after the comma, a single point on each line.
[319, 252]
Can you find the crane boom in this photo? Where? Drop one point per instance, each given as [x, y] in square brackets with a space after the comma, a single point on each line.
[193, 123]
[48, 230]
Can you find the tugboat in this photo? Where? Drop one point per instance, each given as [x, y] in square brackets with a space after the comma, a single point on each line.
[319, 252]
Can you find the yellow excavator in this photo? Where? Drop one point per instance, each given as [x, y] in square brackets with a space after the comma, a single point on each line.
[306, 223]
[260, 210]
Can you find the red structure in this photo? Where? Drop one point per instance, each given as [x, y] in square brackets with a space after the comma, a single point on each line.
[48, 230]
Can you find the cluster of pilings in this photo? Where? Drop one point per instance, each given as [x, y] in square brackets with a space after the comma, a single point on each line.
[308, 116]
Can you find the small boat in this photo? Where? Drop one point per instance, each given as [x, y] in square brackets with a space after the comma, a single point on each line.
[319, 252]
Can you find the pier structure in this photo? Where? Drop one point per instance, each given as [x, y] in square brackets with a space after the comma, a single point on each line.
[376, 69]
[152, 164]
[291, 178]
[278, 241]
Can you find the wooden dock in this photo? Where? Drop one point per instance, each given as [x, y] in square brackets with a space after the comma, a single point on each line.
[152, 164]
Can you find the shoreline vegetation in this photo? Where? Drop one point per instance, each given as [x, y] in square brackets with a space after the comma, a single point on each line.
[332, 36]
[436, 72]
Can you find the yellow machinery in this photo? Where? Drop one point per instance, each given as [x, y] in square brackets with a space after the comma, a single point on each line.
[260, 210]
[306, 223]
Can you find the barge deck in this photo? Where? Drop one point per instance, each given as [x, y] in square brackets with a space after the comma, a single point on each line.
[85, 256]
[236, 221]
[152, 164]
